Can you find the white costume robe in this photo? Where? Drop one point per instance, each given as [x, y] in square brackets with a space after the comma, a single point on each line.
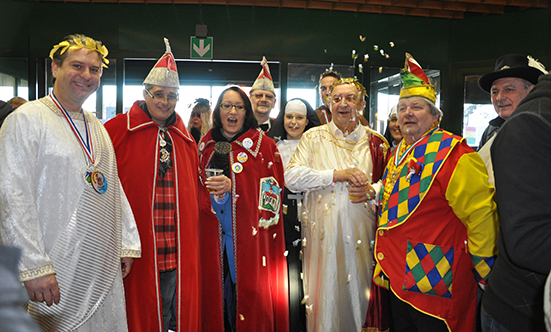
[63, 225]
[337, 259]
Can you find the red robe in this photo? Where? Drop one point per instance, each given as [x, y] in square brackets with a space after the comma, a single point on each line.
[262, 298]
[135, 138]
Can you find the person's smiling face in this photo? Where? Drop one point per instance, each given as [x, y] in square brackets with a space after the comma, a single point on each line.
[77, 78]
[507, 92]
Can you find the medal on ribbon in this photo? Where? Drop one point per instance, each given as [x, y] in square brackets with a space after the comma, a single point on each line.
[90, 171]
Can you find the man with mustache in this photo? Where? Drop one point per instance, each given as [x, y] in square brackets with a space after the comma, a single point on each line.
[158, 163]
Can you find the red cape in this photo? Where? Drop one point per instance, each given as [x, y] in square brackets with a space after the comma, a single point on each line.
[262, 298]
[135, 138]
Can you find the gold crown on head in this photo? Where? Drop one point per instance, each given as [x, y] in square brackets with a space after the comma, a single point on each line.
[349, 80]
[89, 44]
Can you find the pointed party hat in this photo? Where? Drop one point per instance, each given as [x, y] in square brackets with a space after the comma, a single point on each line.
[164, 73]
[264, 80]
[416, 82]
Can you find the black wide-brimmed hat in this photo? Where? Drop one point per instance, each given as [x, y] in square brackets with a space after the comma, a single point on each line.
[513, 65]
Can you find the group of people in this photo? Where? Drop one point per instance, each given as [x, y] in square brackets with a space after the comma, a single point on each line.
[310, 221]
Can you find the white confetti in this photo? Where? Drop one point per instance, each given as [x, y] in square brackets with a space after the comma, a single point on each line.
[309, 309]
[391, 44]
[304, 242]
[254, 231]
[274, 236]
[349, 278]
[286, 253]
[241, 317]
[304, 299]
[296, 242]
[263, 260]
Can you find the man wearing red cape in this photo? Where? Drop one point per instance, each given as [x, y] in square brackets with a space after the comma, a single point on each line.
[158, 162]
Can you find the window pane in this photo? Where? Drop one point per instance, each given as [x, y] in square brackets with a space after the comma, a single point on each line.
[477, 111]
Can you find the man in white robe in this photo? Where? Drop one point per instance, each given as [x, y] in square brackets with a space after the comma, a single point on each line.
[335, 165]
[61, 200]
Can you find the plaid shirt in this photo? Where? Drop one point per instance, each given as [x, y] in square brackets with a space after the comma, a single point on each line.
[164, 215]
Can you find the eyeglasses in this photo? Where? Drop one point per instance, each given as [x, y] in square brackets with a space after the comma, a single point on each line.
[262, 95]
[194, 114]
[228, 106]
[171, 97]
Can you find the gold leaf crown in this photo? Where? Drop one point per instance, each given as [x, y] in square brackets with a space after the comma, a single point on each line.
[76, 44]
[349, 80]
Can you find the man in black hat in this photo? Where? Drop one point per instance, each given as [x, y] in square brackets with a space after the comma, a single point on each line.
[514, 297]
[513, 78]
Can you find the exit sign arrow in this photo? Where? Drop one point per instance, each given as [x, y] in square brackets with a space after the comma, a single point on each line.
[201, 48]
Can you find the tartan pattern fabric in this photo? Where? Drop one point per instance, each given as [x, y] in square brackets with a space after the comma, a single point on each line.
[164, 217]
[406, 195]
[482, 267]
[429, 269]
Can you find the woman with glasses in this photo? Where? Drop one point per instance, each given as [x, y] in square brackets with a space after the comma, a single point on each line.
[200, 120]
[243, 246]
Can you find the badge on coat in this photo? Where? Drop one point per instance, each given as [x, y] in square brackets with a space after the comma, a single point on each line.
[247, 143]
[242, 157]
[237, 168]
[270, 198]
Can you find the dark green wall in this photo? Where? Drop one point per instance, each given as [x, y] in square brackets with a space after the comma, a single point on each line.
[456, 47]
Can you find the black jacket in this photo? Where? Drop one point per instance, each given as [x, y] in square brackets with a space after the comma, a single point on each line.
[520, 155]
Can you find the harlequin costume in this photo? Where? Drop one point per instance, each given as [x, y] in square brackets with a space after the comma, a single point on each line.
[138, 142]
[437, 222]
[257, 241]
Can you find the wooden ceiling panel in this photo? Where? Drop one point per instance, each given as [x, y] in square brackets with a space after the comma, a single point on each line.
[449, 9]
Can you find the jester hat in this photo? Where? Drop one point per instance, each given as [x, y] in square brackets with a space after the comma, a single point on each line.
[264, 80]
[164, 73]
[416, 82]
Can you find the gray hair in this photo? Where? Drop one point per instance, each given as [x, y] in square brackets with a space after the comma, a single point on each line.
[527, 84]
[435, 110]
